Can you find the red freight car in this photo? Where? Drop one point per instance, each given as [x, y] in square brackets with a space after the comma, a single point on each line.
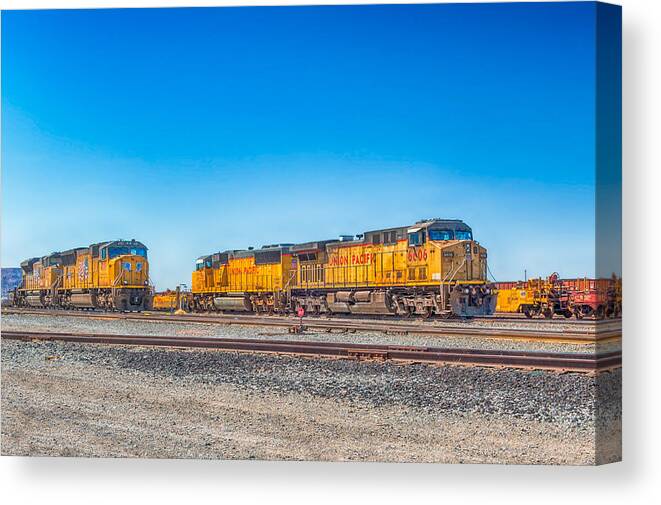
[597, 298]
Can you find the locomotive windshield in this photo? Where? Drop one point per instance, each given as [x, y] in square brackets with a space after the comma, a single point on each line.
[450, 235]
[121, 251]
[201, 264]
[441, 234]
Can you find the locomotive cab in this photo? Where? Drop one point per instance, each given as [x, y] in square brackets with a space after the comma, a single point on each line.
[124, 263]
[202, 279]
[443, 251]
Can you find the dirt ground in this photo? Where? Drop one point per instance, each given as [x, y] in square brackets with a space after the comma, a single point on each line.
[71, 400]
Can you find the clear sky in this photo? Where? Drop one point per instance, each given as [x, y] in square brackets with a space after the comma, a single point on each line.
[199, 130]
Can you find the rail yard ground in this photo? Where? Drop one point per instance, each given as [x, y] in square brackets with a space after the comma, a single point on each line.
[71, 399]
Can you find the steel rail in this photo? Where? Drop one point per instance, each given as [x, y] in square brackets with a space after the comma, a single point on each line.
[588, 335]
[498, 317]
[586, 363]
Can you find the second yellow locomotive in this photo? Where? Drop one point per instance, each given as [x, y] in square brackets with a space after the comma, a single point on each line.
[110, 275]
[433, 267]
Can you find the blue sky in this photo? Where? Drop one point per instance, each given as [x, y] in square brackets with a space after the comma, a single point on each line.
[198, 130]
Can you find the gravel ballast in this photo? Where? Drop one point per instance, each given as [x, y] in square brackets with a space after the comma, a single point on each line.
[65, 399]
[62, 323]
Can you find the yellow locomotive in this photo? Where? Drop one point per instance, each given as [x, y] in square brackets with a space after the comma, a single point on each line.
[109, 275]
[433, 267]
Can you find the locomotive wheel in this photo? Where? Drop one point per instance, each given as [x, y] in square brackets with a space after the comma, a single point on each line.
[547, 313]
[567, 313]
[600, 312]
[528, 313]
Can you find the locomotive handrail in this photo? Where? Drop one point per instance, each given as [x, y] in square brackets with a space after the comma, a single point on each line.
[116, 282]
[451, 273]
[57, 281]
[291, 277]
[53, 287]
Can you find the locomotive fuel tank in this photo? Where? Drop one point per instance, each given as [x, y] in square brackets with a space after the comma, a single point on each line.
[236, 303]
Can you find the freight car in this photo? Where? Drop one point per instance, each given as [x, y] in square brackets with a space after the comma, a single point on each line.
[598, 298]
[433, 267]
[171, 300]
[534, 297]
[108, 275]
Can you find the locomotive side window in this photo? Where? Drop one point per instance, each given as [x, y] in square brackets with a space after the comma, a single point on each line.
[376, 239]
[464, 235]
[417, 237]
[389, 237]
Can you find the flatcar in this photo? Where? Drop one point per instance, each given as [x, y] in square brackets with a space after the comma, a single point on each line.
[110, 275]
[433, 267]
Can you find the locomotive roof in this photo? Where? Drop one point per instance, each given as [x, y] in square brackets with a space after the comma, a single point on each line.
[312, 246]
[27, 265]
[450, 224]
[250, 252]
[52, 259]
[277, 246]
[69, 257]
[30, 261]
[120, 243]
[75, 250]
[54, 256]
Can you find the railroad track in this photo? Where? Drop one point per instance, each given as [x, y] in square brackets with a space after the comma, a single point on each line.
[504, 316]
[498, 317]
[562, 362]
[586, 334]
